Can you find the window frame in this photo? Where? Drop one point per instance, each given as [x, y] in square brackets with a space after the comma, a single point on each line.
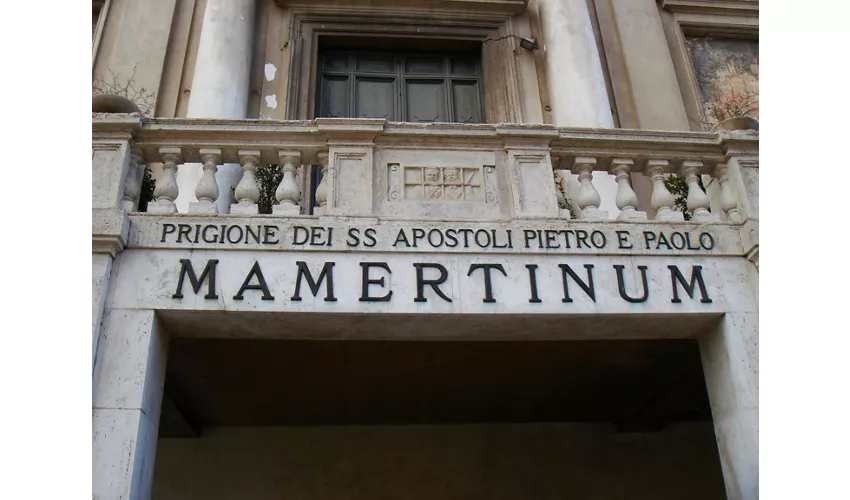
[683, 19]
[401, 77]
[501, 96]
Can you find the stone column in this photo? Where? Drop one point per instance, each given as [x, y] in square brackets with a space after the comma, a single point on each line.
[220, 87]
[577, 92]
[129, 376]
[730, 361]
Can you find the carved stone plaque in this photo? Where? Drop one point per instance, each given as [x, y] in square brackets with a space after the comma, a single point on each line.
[441, 184]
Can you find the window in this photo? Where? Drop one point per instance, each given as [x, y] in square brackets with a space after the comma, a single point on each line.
[411, 87]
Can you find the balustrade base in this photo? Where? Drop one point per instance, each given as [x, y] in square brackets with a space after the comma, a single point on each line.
[203, 207]
[162, 207]
[670, 215]
[286, 210]
[632, 215]
[565, 213]
[706, 217]
[240, 209]
[594, 214]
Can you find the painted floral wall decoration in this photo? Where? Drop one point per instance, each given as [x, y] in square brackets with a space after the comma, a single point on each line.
[727, 73]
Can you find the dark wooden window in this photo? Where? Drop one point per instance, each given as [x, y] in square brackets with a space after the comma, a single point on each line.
[416, 87]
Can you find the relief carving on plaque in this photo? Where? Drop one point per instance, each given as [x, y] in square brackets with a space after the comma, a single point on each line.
[441, 184]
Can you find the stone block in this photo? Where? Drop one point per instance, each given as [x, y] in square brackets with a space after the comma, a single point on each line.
[123, 452]
[203, 207]
[594, 214]
[286, 210]
[162, 207]
[632, 215]
[240, 209]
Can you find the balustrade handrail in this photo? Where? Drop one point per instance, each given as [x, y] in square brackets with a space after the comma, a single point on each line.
[581, 151]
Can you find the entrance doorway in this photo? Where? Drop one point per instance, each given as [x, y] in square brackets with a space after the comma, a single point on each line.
[270, 418]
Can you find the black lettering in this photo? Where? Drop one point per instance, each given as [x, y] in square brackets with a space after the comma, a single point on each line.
[183, 230]
[566, 233]
[532, 282]
[662, 240]
[621, 284]
[435, 284]
[487, 240]
[353, 234]
[451, 238]
[364, 295]
[186, 270]
[623, 240]
[204, 235]
[688, 239]
[681, 245]
[261, 283]
[330, 236]
[316, 236]
[197, 232]
[268, 234]
[551, 237]
[303, 270]
[529, 235]
[370, 234]
[223, 227]
[230, 233]
[539, 238]
[495, 242]
[438, 233]
[587, 287]
[296, 230]
[510, 241]
[249, 233]
[167, 228]
[710, 244]
[602, 239]
[690, 288]
[418, 234]
[465, 233]
[488, 285]
[401, 237]
[581, 238]
[647, 237]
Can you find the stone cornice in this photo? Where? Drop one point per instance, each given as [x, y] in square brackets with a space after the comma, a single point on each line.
[115, 125]
[271, 136]
[722, 7]
[740, 143]
[505, 7]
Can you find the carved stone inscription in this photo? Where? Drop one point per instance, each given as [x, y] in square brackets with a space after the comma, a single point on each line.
[441, 184]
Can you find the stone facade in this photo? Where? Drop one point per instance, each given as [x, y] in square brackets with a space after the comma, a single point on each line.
[553, 209]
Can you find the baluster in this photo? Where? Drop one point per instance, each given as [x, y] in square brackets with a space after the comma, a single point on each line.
[247, 191]
[728, 201]
[662, 200]
[588, 198]
[626, 199]
[287, 192]
[322, 188]
[132, 184]
[207, 189]
[166, 190]
[698, 202]
[560, 188]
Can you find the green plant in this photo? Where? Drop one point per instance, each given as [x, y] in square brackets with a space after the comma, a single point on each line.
[146, 194]
[679, 188]
[268, 179]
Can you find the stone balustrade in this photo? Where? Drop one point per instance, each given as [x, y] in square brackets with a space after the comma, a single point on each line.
[371, 167]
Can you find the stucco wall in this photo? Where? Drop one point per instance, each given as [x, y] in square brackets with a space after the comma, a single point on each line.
[505, 462]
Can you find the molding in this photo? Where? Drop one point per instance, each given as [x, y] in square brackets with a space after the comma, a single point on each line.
[107, 244]
[504, 7]
[721, 7]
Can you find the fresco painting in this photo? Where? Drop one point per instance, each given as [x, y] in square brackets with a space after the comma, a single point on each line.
[727, 73]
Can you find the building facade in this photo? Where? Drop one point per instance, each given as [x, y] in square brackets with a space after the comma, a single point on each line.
[425, 249]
